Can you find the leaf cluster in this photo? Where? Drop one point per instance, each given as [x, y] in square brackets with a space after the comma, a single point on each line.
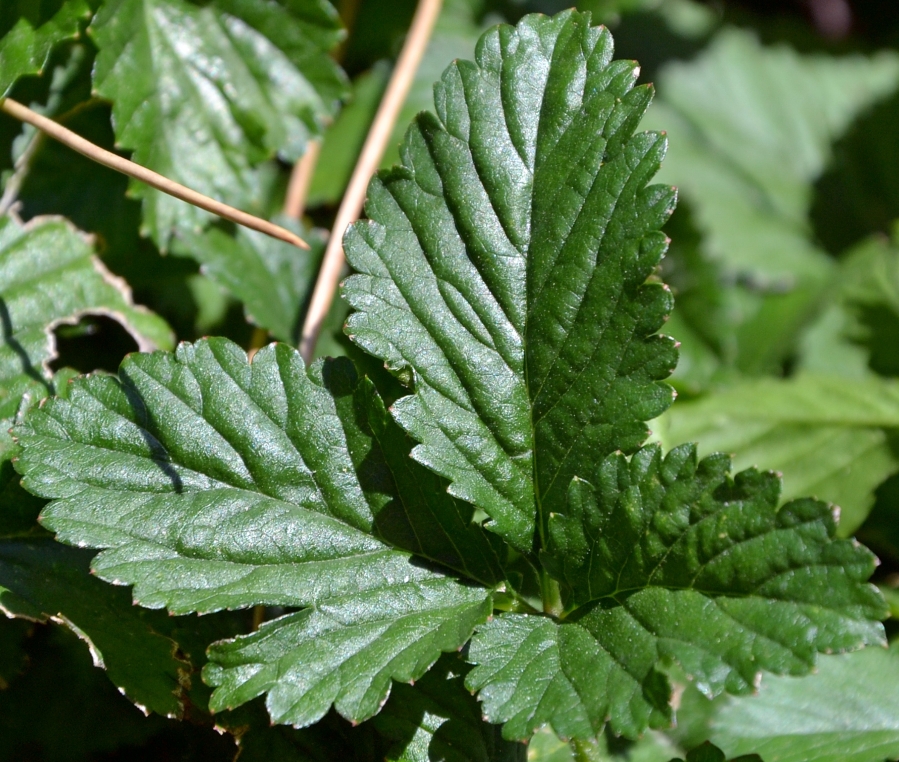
[454, 531]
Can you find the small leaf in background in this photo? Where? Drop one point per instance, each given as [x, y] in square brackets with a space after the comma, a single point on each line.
[43, 580]
[858, 330]
[28, 34]
[858, 194]
[827, 437]
[49, 276]
[273, 279]
[344, 139]
[204, 94]
[745, 148]
[745, 145]
[846, 712]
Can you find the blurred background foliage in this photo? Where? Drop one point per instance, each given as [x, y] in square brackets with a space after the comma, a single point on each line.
[783, 117]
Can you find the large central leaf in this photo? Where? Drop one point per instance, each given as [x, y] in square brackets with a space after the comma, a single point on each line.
[506, 274]
[505, 264]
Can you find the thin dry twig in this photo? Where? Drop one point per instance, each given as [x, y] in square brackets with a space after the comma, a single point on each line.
[332, 265]
[126, 167]
[300, 180]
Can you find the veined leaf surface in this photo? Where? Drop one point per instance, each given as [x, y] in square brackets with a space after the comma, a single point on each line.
[214, 483]
[671, 560]
[203, 94]
[506, 274]
[504, 267]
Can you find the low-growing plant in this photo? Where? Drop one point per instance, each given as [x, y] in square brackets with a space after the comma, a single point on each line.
[472, 547]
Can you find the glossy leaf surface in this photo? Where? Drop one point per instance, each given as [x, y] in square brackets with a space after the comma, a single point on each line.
[204, 94]
[666, 560]
[215, 483]
[27, 39]
[508, 256]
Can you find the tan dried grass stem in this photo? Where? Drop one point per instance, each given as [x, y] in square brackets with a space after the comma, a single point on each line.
[153, 179]
[300, 180]
[332, 265]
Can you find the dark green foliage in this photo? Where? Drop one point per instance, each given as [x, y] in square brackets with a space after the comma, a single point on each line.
[457, 538]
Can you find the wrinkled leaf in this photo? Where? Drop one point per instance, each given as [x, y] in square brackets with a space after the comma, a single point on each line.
[203, 94]
[676, 562]
[507, 256]
[215, 483]
[345, 652]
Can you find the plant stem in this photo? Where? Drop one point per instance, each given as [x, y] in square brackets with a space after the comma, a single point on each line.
[332, 265]
[300, 180]
[551, 594]
[153, 179]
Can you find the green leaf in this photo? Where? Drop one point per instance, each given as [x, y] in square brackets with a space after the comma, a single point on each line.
[43, 580]
[272, 278]
[215, 483]
[751, 127]
[28, 34]
[857, 332]
[843, 713]
[516, 235]
[50, 276]
[746, 163]
[344, 139]
[828, 438]
[204, 94]
[677, 562]
[345, 652]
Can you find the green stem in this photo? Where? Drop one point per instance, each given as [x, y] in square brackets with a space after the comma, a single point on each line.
[552, 595]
